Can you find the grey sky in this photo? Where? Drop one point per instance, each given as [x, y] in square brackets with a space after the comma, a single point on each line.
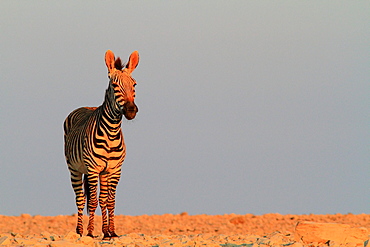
[244, 106]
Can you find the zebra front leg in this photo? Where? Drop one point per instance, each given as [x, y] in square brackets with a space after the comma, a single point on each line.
[76, 179]
[112, 185]
[103, 204]
[92, 201]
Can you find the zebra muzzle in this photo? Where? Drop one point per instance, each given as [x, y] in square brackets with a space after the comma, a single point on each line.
[129, 110]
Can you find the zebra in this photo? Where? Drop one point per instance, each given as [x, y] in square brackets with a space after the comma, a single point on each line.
[94, 145]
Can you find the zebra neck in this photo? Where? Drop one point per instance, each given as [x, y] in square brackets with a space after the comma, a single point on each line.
[110, 108]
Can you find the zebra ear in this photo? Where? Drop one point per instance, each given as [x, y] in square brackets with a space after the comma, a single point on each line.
[132, 63]
[109, 60]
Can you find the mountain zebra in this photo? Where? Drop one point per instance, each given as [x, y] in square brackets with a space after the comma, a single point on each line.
[94, 145]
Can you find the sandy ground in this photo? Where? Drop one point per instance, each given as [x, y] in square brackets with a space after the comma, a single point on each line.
[170, 230]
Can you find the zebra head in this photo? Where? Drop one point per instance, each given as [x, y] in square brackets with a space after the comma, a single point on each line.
[123, 85]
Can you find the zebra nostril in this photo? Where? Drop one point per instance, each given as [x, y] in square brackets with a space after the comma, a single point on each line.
[131, 107]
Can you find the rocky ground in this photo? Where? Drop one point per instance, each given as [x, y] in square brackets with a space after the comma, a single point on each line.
[186, 230]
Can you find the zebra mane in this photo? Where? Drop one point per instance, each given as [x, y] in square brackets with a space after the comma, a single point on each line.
[118, 64]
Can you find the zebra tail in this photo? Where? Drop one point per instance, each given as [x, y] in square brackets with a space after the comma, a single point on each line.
[87, 192]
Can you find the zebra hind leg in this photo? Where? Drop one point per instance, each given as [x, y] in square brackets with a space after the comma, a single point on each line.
[76, 179]
[112, 185]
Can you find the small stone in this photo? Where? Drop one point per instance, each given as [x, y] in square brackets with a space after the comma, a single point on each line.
[237, 220]
[72, 236]
[86, 240]
[263, 241]
[366, 243]
[46, 235]
[5, 240]
[23, 241]
[27, 216]
[125, 240]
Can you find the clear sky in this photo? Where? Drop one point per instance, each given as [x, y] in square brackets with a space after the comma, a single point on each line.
[244, 106]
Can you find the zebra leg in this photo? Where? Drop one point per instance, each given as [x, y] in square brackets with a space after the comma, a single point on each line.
[112, 185]
[103, 204]
[76, 179]
[93, 201]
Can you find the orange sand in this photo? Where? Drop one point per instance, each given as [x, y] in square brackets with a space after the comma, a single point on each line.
[167, 230]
